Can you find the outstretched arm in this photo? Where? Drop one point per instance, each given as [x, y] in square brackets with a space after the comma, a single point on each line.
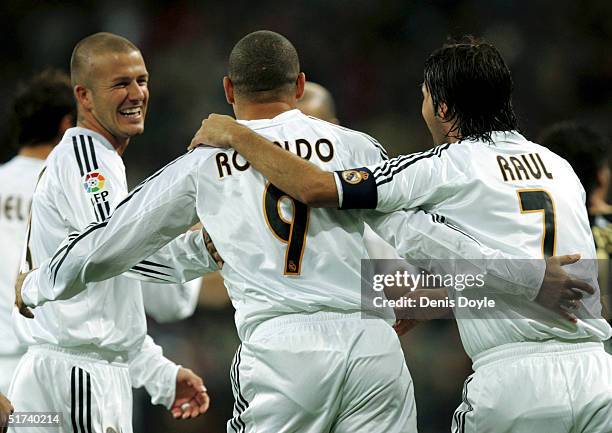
[157, 211]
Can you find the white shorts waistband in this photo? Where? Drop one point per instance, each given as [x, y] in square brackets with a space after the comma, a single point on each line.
[511, 351]
[272, 325]
[91, 353]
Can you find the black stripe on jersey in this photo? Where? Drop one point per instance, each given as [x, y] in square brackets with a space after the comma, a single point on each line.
[150, 271]
[99, 211]
[402, 163]
[107, 209]
[73, 400]
[71, 237]
[240, 396]
[81, 423]
[459, 415]
[150, 263]
[386, 168]
[78, 157]
[237, 405]
[92, 151]
[438, 218]
[104, 223]
[457, 229]
[88, 402]
[381, 149]
[85, 156]
[151, 276]
[72, 244]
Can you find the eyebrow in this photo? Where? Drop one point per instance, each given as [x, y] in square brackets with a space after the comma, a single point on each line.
[126, 78]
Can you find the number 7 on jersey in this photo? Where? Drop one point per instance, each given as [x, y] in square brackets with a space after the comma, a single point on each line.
[539, 200]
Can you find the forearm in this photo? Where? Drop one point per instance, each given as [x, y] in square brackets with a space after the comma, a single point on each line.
[155, 213]
[149, 367]
[183, 259]
[171, 302]
[291, 174]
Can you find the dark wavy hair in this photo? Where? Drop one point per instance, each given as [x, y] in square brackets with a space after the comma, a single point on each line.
[39, 106]
[587, 150]
[472, 79]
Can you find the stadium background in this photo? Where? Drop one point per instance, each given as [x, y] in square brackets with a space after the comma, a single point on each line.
[370, 55]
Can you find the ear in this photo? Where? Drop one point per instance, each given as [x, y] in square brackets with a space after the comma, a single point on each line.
[228, 87]
[603, 176]
[300, 82]
[66, 122]
[83, 97]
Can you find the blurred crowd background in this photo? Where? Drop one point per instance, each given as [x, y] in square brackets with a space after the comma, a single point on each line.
[369, 54]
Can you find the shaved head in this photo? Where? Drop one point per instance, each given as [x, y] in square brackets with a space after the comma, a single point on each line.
[318, 102]
[84, 55]
[262, 65]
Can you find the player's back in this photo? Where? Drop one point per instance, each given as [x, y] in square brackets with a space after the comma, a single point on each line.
[280, 256]
[17, 181]
[520, 198]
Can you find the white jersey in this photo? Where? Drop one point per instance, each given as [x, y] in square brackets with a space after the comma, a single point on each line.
[513, 195]
[17, 181]
[83, 181]
[281, 257]
[171, 302]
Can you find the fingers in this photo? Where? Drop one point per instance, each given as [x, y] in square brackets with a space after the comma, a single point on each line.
[205, 404]
[210, 246]
[571, 283]
[176, 412]
[26, 312]
[567, 315]
[188, 409]
[571, 295]
[567, 259]
[402, 326]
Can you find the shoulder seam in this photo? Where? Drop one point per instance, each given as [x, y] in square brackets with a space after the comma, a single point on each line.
[372, 140]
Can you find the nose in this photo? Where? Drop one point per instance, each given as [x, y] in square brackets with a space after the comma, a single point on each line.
[136, 92]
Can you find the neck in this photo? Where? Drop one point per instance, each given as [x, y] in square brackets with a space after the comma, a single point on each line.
[119, 143]
[597, 202]
[40, 151]
[268, 110]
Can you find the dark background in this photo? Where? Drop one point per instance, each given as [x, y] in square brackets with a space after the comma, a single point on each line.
[370, 55]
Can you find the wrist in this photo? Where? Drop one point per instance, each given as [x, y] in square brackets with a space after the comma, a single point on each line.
[236, 136]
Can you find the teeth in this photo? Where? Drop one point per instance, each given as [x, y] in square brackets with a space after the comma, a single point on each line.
[130, 112]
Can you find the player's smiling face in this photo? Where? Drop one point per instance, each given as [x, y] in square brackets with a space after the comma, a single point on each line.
[120, 93]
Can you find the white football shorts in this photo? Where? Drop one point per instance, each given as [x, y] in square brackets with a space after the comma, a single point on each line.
[322, 372]
[538, 387]
[90, 389]
[8, 364]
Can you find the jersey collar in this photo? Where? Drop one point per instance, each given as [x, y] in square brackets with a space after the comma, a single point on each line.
[281, 118]
[507, 136]
[77, 130]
